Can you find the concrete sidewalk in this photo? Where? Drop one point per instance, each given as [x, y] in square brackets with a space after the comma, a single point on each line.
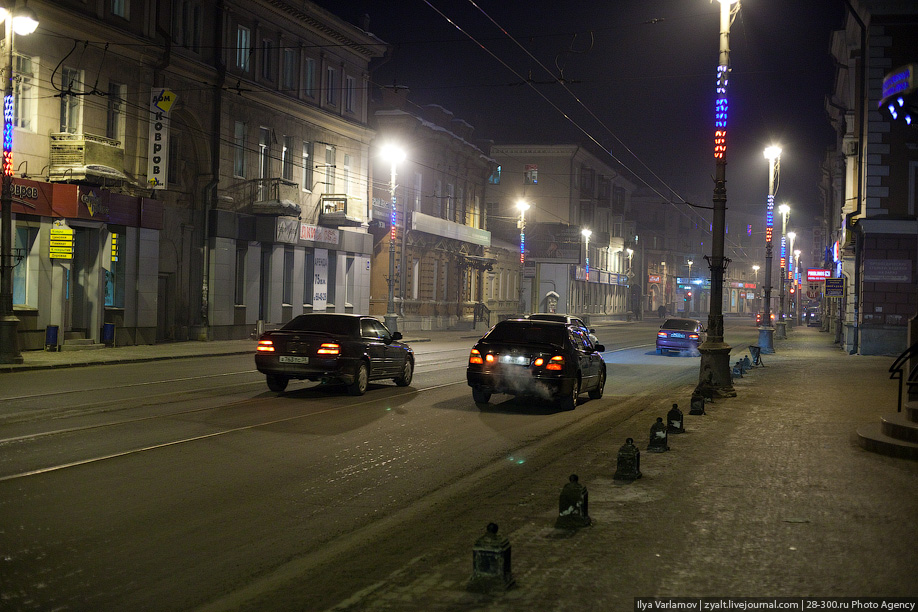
[768, 494]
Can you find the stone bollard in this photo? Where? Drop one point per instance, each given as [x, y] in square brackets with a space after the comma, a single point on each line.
[674, 421]
[573, 505]
[491, 562]
[658, 437]
[697, 404]
[629, 462]
[747, 364]
[738, 369]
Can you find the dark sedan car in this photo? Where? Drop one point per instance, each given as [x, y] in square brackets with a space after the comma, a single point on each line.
[564, 318]
[345, 348]
[680, 335]
[544, 359]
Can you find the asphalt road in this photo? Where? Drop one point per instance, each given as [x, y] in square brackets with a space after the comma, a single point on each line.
[186, 484]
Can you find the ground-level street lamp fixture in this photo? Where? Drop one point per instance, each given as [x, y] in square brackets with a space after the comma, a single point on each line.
[522, 206]
[766, 331]
[714, 371]
[22, 21]
[394, 155]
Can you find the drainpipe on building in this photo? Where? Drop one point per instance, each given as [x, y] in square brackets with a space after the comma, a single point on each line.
[210, 190]
[862, 141]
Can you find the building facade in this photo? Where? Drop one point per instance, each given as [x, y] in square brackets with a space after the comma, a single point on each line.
[200, 168]
[871, 183]
[567, 190]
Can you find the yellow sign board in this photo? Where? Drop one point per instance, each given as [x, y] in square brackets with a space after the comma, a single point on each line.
[61, 255]
[61, 231]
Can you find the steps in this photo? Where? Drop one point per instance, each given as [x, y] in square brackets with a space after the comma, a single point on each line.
[76, 341]
[896, 434]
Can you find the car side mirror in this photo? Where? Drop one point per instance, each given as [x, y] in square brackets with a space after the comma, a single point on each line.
[592, 330]
[600, 348]
[396, 335]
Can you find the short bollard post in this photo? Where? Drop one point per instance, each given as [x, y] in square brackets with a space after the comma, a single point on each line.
[573, 505]
[491, 562]
[629, 462]
[674, 422]
[697, 404]
[747, 365]
[738, 369]
[658, 437]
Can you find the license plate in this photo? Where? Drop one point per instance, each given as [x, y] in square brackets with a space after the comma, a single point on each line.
[522, 360]
[676, 335]
[292, 359]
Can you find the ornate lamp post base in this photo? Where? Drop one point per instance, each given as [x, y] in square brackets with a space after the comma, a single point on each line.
[714, 373]
[9, 340]
[767, 339]
[391, 322]
[781, 327]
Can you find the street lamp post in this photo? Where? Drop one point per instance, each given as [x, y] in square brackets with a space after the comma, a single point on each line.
[714, 371]
[766, 331]
[799, 298]
[523, 207]
[690, 262]
[789, 279]
[755, 270]
[395, 156]
[21, 21]
[586, 285]
[781, 324]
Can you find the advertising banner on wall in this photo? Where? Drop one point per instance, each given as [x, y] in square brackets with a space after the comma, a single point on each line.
[320, 281]
[158, 149]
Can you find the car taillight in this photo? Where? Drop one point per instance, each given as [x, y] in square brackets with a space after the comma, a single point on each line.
[555, 363]
[693, 336]
[661, 334]
[490, 358]
[475, 357]
[329, 348]
[538, 362]
[265, 346]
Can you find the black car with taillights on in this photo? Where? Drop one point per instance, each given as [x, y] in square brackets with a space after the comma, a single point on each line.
[544, 359]
[328, 347]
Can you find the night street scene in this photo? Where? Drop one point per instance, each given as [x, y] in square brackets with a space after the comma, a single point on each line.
[452, 306]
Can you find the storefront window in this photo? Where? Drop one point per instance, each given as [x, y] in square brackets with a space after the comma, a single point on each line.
[24, 239]
[114, 276]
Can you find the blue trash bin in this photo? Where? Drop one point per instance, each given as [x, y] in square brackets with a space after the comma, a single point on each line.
[108, 334]
[51, 338]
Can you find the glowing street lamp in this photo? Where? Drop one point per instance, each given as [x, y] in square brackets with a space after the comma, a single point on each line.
[766, 331]
[22, 21]
[394, 155]
[586, 236]
[523, 206]
[784, 209]
[714, 369]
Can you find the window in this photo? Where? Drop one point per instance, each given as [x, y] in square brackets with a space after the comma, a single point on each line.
[114, 125]
[239, 292]
[531, 177]
[24, 292]
[24, 89]
[114, 275]
[330, 168]
[309, 77]
[267, 60]
[121, 8]
[438, 195]
[418, 181]
[289, 83]
[350, 94]
[494, 179]
[287, 159]
[586, 181]
[346, 173]
[307, 166]
[243, 47]
[264, 153]
[71, 102]
[239, 150]
[288, 275]
[187, 23]
[331, 85]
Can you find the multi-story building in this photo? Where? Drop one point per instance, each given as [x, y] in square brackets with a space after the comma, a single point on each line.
[439, 242]
[567, 190]
[871, 182]
[189, 169]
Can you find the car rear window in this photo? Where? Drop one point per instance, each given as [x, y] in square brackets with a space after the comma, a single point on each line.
[680, 324]
[330, 324]
[527, 332]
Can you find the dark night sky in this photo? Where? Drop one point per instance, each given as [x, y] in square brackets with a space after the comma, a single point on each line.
[644, 68]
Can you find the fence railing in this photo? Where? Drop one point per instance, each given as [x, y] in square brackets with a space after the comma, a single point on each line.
[897, 371]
